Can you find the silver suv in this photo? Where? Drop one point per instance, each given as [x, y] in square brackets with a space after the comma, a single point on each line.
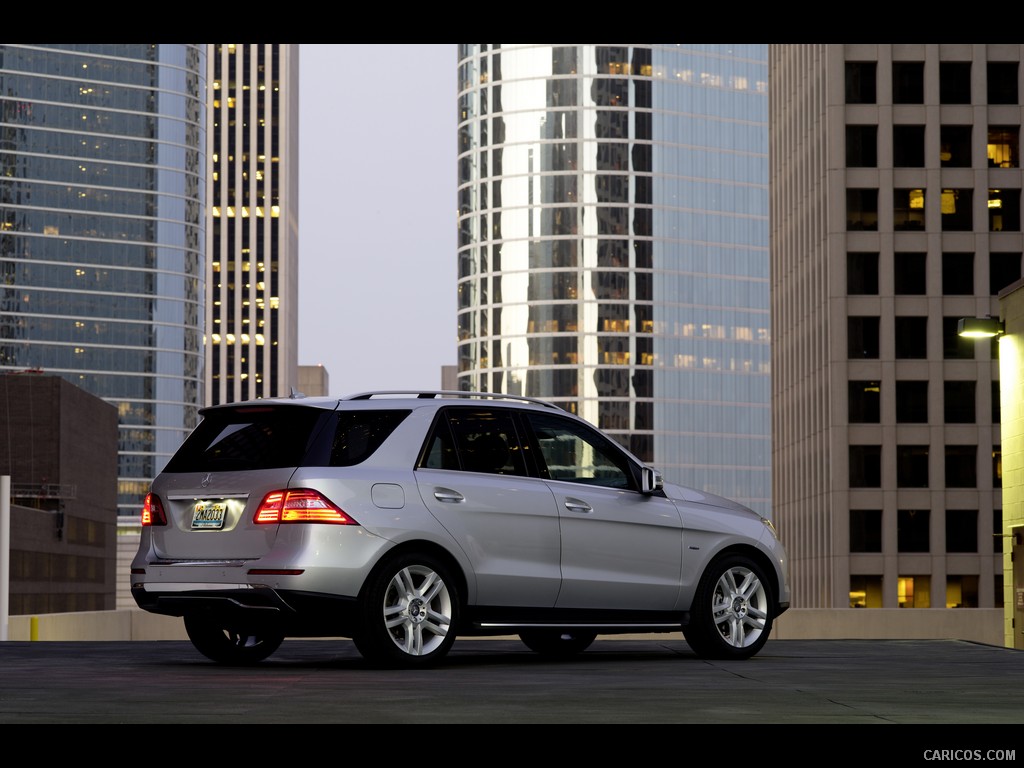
[402, 520]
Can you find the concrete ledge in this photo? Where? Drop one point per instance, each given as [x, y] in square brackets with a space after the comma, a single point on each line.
[981, 625]
[99, 625]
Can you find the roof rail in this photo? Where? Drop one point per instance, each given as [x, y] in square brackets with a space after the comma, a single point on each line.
[440, 393]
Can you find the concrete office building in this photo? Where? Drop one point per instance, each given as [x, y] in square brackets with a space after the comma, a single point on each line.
[314, 380]
[102, 231]
[252, 240]
[895, 212]
[613, 213]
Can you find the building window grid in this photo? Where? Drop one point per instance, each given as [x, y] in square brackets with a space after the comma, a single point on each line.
[956, 209]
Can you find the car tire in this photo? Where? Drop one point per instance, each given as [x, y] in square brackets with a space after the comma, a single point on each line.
[229, 646]
[732, 612]
[558, 644]
[408, 612]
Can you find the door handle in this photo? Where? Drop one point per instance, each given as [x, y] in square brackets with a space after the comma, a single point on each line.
[448, 496]
[575, 505]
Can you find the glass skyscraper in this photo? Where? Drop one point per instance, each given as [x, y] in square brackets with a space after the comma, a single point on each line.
[613, 246]
[102, 228]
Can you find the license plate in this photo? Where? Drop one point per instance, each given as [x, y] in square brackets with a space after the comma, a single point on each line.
[208, 515]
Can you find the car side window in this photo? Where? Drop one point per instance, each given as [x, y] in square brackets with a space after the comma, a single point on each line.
[475, 440]
[573, 453]
[359, 433]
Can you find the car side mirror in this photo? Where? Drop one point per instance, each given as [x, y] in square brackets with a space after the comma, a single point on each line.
[651, 480]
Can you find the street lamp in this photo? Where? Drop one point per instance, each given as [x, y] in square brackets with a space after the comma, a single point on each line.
[980, 327]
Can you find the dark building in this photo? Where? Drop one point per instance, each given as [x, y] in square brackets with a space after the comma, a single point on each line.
[59, 446]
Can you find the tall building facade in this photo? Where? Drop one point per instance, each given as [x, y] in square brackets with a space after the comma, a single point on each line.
[252, 312]
[102, 230]
[896, 211]
[613, 246]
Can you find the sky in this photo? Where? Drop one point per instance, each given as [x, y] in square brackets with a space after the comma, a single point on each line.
[377, 213]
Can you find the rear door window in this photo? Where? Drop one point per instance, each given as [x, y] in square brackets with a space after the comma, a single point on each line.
[475, 440]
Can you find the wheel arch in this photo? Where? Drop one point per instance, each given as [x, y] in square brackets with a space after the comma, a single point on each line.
[424, 547]
[758, 556]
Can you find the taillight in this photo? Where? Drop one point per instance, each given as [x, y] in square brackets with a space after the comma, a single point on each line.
[299, 506]
[153, 511]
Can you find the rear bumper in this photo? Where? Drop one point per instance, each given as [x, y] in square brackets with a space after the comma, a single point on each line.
[294, 613]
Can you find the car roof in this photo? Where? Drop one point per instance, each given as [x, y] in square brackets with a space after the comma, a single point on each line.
[400, 398]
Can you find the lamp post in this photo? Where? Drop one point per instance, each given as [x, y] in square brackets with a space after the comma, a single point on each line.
[1012, 437]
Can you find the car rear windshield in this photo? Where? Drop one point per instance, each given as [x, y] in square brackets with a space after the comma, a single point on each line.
[267, 437]
[255, 437]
